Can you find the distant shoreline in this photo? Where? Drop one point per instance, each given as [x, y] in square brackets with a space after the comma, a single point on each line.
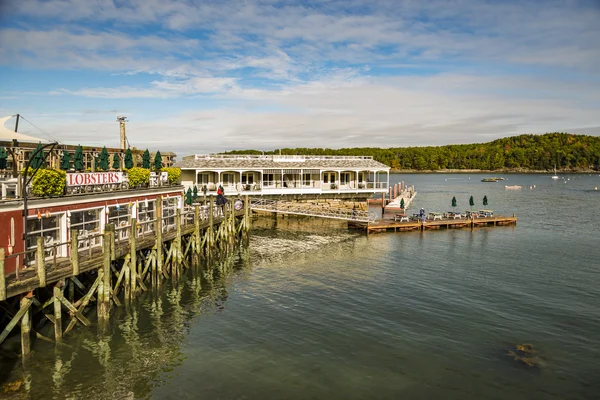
[485, 171]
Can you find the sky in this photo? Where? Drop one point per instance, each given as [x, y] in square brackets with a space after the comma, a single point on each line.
[216, 75]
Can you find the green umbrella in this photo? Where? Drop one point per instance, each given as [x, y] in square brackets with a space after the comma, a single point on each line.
[188, 197]
[3, 156]
[103, 159]
[485, 200]
[116, 161]
[128, 159]
[195, 192]
[157, 161]
[78, 159]
[146, 160]
[453, 201]
[471, 201]
[65, 162]
[37, 159]
[402, 203]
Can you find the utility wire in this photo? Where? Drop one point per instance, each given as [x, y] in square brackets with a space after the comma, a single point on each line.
[45, 133]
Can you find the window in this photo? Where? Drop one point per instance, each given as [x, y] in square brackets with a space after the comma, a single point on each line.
[248, 178]
[361, 176]
[46, 227]
[306, 180]
[169, 206]
[145, 215]
[227, 178]
[203, 179]
[119, 215]
[268, 179]
[329, 177]
[344, 178]
[87, 223]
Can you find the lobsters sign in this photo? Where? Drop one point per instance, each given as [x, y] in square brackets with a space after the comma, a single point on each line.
[94, 178]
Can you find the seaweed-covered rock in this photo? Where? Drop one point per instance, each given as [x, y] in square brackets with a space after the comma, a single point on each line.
[526, 355]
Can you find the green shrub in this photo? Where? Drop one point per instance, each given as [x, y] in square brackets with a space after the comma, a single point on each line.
[174, 174]
[138, 176]
[49, 182]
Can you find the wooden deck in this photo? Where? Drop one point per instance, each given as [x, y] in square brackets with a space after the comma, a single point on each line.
[385, 225]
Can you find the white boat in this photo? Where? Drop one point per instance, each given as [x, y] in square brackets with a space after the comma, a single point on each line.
[513, 187]
[555, 176]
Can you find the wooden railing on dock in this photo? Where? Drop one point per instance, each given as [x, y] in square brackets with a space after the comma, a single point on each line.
[385, 225]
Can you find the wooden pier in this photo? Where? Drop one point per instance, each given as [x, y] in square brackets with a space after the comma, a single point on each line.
[390, 225]
[129, 259]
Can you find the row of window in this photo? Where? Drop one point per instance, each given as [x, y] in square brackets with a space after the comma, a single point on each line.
[228, 178]
[89, 222]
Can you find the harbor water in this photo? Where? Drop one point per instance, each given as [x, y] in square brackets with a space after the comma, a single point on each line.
[310, 310]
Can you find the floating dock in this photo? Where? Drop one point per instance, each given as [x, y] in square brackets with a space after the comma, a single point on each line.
[387, 225]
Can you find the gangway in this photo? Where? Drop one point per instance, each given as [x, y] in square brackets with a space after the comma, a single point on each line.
[310, 210]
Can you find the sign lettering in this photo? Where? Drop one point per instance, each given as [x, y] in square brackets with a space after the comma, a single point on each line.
[94, 178]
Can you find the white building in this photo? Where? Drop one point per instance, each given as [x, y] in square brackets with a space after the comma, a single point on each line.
[284, 174]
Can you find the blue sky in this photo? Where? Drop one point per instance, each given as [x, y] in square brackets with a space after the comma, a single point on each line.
[205, 76]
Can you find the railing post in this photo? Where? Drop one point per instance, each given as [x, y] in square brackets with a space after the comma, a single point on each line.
[246, 214]
[2, 276]
[39, 261]
[75, 251]
[197, 228]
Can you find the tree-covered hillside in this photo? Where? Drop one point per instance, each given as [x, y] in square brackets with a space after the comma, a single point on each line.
[527, 152]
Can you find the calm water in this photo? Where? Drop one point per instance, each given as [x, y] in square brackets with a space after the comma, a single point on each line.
[313, 311]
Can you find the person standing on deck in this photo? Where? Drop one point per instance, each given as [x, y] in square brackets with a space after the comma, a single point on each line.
[422, 214]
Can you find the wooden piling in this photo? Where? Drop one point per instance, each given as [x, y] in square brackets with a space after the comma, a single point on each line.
[74, 252]
[196, 229]
[26, 325]
[2, 276]
[133, 257]
[177, 256]
[57, 313]
[40, 262]
[103, 297]
[159, 248]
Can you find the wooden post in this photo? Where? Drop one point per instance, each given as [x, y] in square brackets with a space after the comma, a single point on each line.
[75, 251]
[25, 327]
[103, 299]
[177, 257]
[197, 229]
[246, 214]
[209, 231]
[133, 257]
[2, 276]
[40, 262]
[111, 229]
[159, 248]
[57, 313]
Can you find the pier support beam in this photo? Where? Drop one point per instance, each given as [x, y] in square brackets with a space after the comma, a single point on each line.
[159, 242]
[104, 287]
[58, 332]
[26, 325]
[2, 276]
[40, 261]
[133, 258]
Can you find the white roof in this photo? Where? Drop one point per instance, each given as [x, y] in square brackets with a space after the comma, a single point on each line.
[9, 134]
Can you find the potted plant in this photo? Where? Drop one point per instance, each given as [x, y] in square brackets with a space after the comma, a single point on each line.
[333, 185]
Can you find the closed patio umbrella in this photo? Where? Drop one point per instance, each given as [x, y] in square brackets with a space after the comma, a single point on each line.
[471, 201]
[37, 157]
[103, 161]
[146, 160]
[485, 201]
[128, 159]
[78, 159]
[116, 161]
[65, 161]
[157, 161]
[188, 197]
[3, 156]
[453, 201]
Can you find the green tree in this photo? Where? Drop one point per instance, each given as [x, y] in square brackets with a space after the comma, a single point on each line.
[49, 182]
[138, 176]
